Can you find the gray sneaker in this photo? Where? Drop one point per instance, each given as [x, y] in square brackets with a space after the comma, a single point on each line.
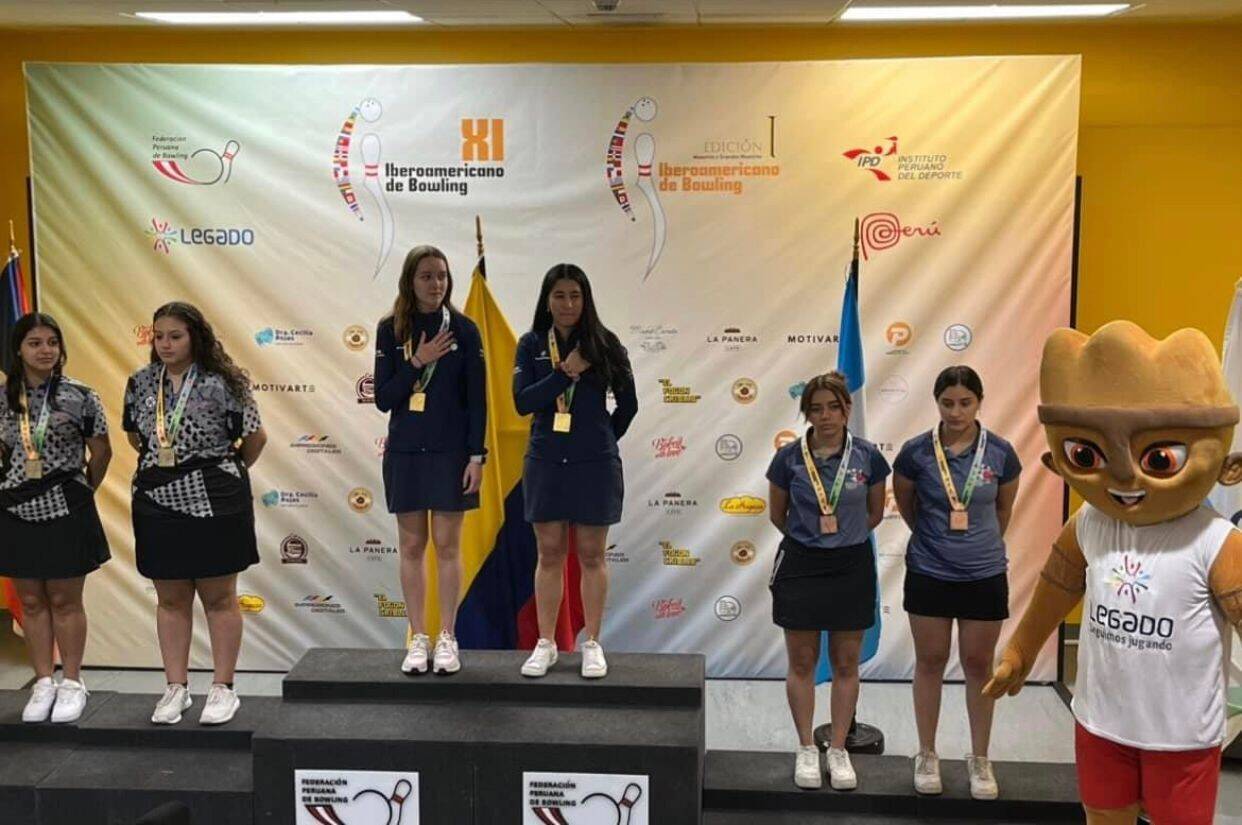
[927, 773]
[982, 781]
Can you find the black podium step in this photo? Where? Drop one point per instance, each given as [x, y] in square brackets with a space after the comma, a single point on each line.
[748, 781]
[634, 680]
[23, 765]
[805, 818]
[124, 720]
[115, 786]
[13, 729]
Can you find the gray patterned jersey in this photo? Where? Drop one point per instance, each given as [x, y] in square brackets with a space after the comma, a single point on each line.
[213, 417]
[76, 415]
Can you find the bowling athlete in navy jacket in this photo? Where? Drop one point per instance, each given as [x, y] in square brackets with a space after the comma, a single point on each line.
[566, 366]
[429, 377]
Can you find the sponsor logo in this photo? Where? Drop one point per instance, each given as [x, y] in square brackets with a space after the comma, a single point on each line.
[321, 604]
[372, 550]
[388, 609]
[899, 336]
[260, 386]
[250, 603]
[164, 236]
[583, 799]
[673, 394]
[886, 164]
[883, 230]
[364, 389]
[381, 446]
[652, 337]
[784, 437]
[728, 608]
[614, 555]
[745, 390]
[668, 446]
[667, 608]
[890, 505]
[482, 139]
[315, 444]
[796, 389]
[355, 338]
[144, 334]
[958, 337]
[894, 389]
[818, 339]
[674, 556]
[294, 550]
[728, 447]
[1129, 578]
[742, 505]
[282, 337]
[360, 499]
[743, 552]
[732, 339]
[172, 157]
[673, 504]
[297, 499]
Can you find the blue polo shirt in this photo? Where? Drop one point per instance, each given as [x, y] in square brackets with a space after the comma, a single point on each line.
[977, 552]
[867, 467]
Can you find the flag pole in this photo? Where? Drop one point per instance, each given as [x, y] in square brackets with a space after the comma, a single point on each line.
[478, 233]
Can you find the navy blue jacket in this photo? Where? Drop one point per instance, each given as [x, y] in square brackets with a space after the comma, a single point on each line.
[455, 417]
[594, 431]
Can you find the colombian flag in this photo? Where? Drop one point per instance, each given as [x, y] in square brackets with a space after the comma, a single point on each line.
[497, 544]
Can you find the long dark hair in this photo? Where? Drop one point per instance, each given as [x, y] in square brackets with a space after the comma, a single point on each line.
[15, 370]
[599, 345]
[205, 348]
[405, 306]
[958, 376]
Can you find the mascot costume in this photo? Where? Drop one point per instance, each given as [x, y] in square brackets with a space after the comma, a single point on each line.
[1141, 429]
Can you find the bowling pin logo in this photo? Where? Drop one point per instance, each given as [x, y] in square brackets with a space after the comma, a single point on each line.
[216, 167]
[368, 807]
[595, 809]
[644, 109]
[368, 110]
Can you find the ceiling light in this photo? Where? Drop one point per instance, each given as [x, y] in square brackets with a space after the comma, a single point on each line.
[871, 14]
[279, 18]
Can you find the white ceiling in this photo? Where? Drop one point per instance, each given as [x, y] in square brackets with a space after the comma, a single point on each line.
[557, 13]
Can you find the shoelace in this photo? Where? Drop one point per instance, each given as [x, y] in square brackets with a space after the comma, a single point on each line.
[170, 693]
[217, 694]
[43, 692]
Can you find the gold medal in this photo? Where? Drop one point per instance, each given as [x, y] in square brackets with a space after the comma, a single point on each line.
[828, 524]
[166, 457]
[561, 422]
[959, 520]
[34, 469]
[418, 402]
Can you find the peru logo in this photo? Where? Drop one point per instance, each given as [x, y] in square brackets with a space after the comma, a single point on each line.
[1129, 578]
[871, 159]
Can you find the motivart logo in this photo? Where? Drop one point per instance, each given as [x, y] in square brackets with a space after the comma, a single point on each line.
[387, 608]
[355, 337]
[673, 394]
[295, 499]
[884, 230]
[674, 556]
[817, 339]
[364, 389]
[1129, 579]
[667, 608]
[294, 550]
[742, 505]
[673, 504]
[315, 444]
[360, 499]
[372, 550]
[282, 337]
[265, 387]
[669, 446]
[745, 390]
[316, 603]
[164, 236]
[172, 157]
[732, 339]
[885, 163]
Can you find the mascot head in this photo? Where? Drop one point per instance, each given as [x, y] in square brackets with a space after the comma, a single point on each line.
[1140, 428]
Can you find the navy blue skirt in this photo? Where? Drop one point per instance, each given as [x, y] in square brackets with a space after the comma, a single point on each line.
[426, 481]
[581, 492]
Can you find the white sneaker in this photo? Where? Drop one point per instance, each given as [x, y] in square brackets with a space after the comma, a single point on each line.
[168, 710]
[446, 659]
[416, 657]
[927, 773]
[840, 771]
[540, 659]
[70, 701]
[221, 705]
[42, 697]
[806, 768]
[594, 666]
[982, 782]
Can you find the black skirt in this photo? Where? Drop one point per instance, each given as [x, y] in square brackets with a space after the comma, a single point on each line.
[982, 600]
[579, 492]
[814, 589]
[426, 481]
[194, 521]
[51, 530]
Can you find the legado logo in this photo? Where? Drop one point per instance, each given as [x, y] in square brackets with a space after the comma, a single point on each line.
[164, 236]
